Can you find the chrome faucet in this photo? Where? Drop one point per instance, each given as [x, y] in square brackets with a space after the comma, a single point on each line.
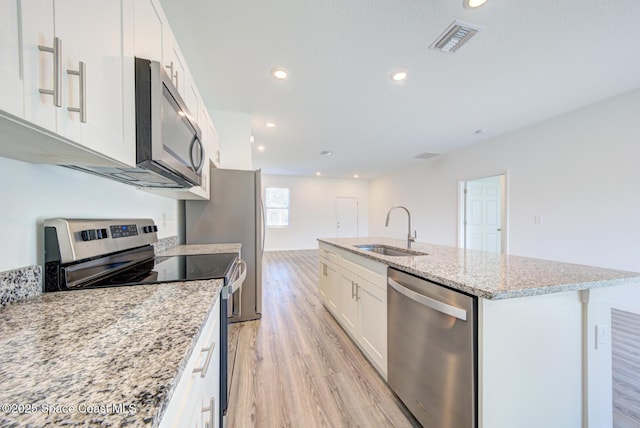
[410, 238]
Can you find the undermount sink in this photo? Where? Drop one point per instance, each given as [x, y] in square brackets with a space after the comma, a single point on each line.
[387, 250]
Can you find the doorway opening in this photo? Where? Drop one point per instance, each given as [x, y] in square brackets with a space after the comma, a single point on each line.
[482, 218]
[346, 217]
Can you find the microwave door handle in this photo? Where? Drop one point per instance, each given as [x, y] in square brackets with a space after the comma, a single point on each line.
[196, 168]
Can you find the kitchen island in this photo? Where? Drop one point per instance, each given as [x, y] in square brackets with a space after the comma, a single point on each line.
[538, 360]
[107, 357]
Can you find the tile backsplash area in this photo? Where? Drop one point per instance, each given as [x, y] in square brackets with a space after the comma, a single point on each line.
[165, 244]
[20, 284]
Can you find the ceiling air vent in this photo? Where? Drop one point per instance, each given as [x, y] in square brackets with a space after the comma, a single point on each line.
[427, 155]
[455, 36]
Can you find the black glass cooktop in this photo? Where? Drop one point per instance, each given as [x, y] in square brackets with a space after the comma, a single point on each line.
[174, 268]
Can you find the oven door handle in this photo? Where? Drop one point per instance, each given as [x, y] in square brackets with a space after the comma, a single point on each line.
[236, 289]
[237, 284]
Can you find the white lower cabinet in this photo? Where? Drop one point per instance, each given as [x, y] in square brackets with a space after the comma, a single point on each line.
[195, 401]
[354, 290]
[329, 289]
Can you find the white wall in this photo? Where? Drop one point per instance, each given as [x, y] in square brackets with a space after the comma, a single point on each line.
[579, 171]
[30, 193]
[234, 131]
[313, 210]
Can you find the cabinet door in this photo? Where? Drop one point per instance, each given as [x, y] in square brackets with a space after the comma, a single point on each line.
[348, 306]
[173, 62]
[148, 31]
[372, 322]
[38, 64]
[192, 100]
[11, 84]
[91, 33]
[211, 136]
[323, 280]
[210, 400]
[333, 284]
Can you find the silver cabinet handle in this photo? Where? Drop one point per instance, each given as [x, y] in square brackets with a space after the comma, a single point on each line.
[203, 370]
[81, 72]
[172, 75]
[212, 413]
[461, 314]
[357, 293]
[56, 50]
[170, 68]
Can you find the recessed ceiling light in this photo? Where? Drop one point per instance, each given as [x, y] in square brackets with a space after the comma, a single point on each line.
[261, 148]
[356, 176]
[280, 73]
[270, 125]
[326, 153]
[318, 173]
[398, 75]
[470, 4]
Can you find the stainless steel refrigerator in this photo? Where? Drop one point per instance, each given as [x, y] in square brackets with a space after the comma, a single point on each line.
[233, 214]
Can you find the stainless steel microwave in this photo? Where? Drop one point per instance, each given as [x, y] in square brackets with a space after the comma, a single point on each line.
[169, 149]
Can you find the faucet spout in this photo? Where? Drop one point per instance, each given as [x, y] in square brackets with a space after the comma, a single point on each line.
[410, 238]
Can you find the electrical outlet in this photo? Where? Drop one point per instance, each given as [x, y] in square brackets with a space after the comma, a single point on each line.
[601, 335]
[537, 219]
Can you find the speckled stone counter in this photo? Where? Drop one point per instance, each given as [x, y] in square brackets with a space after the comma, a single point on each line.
[489, 275]
[102, 357]
[201, 249]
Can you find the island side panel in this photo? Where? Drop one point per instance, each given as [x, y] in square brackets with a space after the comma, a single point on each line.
[530, 362]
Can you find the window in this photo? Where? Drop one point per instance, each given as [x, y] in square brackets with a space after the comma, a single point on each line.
[277, 206]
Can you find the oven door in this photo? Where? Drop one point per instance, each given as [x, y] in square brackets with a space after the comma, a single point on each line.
[230, 293]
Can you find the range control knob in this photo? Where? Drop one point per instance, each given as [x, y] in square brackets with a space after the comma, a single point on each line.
[155, 228]
[89, 235]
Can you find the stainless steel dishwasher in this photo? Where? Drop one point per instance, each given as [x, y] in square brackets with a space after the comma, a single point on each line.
[432, 348]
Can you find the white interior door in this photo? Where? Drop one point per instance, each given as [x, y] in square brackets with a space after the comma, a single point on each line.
[483, 214]
[346, 217]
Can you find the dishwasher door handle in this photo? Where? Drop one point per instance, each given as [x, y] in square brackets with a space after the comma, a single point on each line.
[437, 305]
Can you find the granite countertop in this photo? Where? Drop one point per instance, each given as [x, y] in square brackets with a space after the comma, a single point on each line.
[104, 357]
[201, 249]
[489, 275]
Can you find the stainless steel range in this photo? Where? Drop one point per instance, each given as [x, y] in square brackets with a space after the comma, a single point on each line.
[81, 254]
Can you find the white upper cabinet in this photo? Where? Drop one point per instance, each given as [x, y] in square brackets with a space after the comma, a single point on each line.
[73, 71]
[174, 63]
[91, 31]
[148, 30]
[41, 62]
[68, 84]
[10, 72]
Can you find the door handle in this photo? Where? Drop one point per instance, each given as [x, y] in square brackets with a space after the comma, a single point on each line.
[81, 72]
[437, 305]
[56, 50]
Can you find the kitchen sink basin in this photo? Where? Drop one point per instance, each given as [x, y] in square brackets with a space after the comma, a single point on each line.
[387, 250]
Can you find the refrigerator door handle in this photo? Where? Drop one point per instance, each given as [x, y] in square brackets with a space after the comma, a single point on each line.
[264, 229]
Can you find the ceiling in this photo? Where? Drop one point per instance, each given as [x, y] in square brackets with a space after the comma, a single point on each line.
[531, 61]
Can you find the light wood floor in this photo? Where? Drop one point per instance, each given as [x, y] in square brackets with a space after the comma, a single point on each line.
[625, 337]
[296, 367]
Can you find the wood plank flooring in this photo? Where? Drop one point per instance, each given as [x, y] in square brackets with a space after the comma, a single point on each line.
[625, 349]
[296, 367]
